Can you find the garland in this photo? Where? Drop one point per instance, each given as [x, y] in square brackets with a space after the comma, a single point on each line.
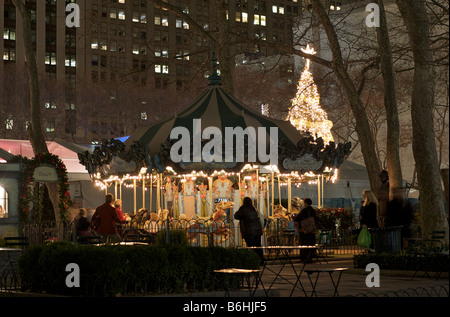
[26, 193]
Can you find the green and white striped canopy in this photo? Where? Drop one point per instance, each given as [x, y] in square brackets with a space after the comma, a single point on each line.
[216, 108]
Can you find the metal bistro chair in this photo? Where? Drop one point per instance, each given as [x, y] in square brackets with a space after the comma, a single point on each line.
[10, 268]
[430, 249]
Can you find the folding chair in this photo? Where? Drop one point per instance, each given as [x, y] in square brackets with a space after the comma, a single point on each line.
[320, 253]
[430, 250]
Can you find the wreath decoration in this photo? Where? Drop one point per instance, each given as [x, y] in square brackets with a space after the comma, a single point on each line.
[26, 192]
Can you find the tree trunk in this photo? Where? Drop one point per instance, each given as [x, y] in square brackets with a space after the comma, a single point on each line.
[362, 126]
[35, 134]
[226, 60]
[390, 103]
[445, 179]
[431, 204]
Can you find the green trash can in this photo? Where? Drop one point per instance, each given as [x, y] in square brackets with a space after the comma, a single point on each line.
[387, 239]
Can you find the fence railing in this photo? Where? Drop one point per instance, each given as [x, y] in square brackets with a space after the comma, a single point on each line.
[202, 232]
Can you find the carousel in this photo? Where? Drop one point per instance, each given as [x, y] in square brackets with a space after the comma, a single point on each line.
[197, 182]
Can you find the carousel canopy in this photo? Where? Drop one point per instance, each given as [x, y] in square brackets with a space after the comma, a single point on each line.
[150, 146]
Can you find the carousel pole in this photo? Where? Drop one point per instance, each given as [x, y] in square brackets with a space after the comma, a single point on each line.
[158, 190]
[120, 189]
[289, 193]
[318, 192]
[161, 194]
[151, 191]
[267, 195]
[134, 193]
[210, 182]
[257, 191]
[279, 190]
[321, 195]
[273, 193]
[115, 189]
[143, 191]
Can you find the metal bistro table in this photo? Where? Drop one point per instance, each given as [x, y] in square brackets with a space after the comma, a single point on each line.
[282, 256]
[12, 256]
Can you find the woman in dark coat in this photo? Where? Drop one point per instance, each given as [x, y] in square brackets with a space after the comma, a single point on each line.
[306, 238]
[369, 210]
[249, 224]
[82, 224]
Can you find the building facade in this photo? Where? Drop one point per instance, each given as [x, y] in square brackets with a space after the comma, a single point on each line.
[129, 63]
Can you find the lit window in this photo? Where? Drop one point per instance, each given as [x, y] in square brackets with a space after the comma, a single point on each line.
[50, 58]
[50, 105]
[157, 68]
[113, 13]
[256, 19]
[157, 52]
[244, 17]
[50, 126]
[3, 203]
[165, 69]
[135, 17]
[263, 20]
[144, 115]
[238, 17]
[136, 49]
[9, 34]
[281, 10]
[165, 21]
[178, 23]
[143, 18]
[103, 45]
[121, 1]
[121, 15]
[185, 25]
[94, 43]
[274, 9]
[9, 123]
[157, 20]
[165, 52]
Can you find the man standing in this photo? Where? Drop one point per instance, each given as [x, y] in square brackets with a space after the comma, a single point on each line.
[107, 217]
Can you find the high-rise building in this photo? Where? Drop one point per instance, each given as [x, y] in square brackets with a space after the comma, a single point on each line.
[127, 60]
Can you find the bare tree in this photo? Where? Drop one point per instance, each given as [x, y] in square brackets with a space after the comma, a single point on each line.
[390, 102]
[415, 17]
[35, 133]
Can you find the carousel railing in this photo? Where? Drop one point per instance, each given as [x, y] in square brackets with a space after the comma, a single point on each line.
[201, 232]
[44, 232]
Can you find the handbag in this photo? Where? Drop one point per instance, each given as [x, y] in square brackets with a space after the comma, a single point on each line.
[364, 238]
[95, 221]
[309, 225]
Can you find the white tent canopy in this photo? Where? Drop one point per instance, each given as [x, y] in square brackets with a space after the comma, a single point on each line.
[66, 151]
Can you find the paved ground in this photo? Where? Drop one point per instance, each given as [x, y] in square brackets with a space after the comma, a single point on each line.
[353, 282]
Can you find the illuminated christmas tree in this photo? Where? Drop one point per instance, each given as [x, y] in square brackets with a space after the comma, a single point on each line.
[306, 114]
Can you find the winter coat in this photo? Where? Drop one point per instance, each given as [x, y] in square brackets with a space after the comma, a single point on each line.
[248, 221]
[108, 218]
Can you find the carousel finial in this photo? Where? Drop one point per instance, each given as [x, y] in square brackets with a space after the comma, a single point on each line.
[214, 78]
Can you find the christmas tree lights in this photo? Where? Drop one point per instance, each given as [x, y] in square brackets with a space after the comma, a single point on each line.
[306, 114]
